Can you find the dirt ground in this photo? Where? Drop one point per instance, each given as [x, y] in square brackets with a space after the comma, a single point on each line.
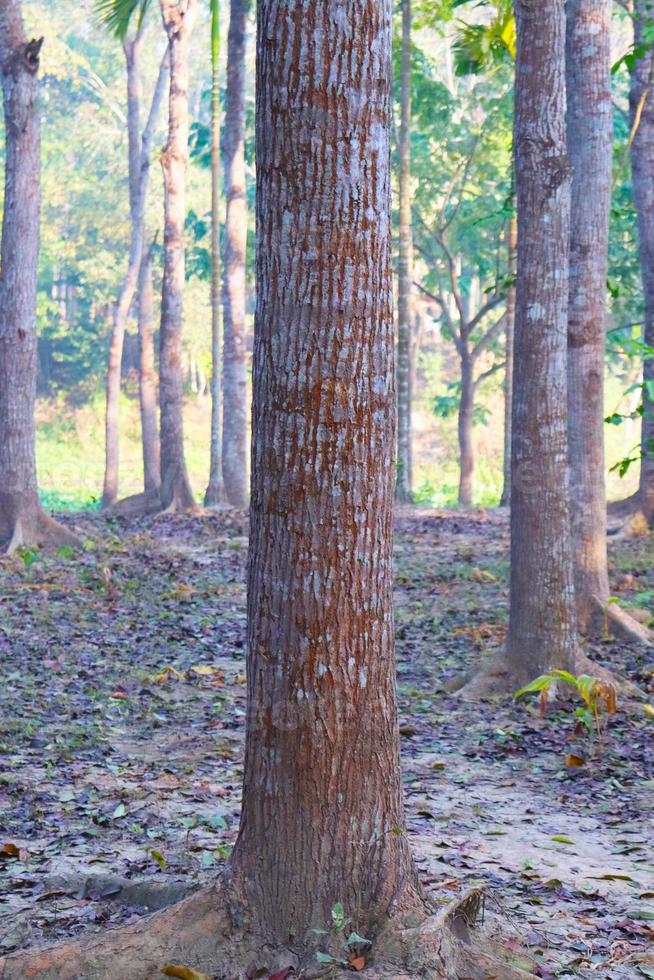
[121, 735]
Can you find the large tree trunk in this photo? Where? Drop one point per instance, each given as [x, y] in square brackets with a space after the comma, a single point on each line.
[466, 448]
[321, 688]
[215, 492]
[405, 273]
[22, 522]
[148, 380]
[642, 162]
[176, 494]
[543, 629]
[235, 415]
[139, 147]
[590, 128]
[505, 500]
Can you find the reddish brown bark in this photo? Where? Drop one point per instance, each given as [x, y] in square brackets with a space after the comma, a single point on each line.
[405, 273]
[22, 522]
[178, 18]
[235, 413]
[322, 794]
[642, 163]
[542, 629]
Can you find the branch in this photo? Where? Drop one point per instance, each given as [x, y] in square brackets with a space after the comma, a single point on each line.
[439, 299]
[488, 337]
[488, 306]
[485, 375]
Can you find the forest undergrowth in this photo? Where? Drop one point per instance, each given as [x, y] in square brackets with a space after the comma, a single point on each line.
[122, 721]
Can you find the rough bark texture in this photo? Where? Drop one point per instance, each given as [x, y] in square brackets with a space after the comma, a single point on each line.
[322, 794]
[405, 273]
[590, 127]
[542, 629]
[215, 492]
[178, 18]
[235, 413]
[139, 149]
[642, 162]
[148, 380]
[22, 522]
[505, 500]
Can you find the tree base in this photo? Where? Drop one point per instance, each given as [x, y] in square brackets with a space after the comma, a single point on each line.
[494, 679]
[137, 505]
[28, 526]
[201, 932]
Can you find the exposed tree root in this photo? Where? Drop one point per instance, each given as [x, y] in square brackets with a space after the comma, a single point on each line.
[608, 618]
[200, 933]
[624, 507]
[148, 502]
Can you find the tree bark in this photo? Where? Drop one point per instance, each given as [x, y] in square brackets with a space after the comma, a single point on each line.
[235, 414]
[22, 522]
[405, 273]
[590, 129]
[505, 500]
[148, 380]
[642, 163]
[139, 148]
[176, 494]
[322, 790]
[466, 447]
[542, 628]
[215, 492]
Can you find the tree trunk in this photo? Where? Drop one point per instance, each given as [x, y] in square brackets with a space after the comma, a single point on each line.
[132, 50]
[405, 273]
[322, 788]
[505, 500]
[139, 169]
[542, 628]
[642, 162]
[148, 380]
[466, 449]
[235, 415]
[22, 522]
[590, 130]
[176, 493]
[215, 492]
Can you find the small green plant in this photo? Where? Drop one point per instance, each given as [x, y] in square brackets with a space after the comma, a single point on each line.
[348, 946]
[599, 697]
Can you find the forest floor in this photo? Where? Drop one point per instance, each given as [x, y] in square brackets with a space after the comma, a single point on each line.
[121, 735]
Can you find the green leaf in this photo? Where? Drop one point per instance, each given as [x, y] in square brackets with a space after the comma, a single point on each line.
[117, 14]
[355, 939]
[541, 683]
[119, 812]
[159, 858]
[562, 840]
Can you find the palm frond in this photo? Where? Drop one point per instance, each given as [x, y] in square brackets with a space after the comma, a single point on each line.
[117, 15]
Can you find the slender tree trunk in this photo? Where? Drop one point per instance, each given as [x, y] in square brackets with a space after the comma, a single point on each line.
[148, 380]
[176, 494]
[508, 373]
[139, 147]
[22, 522]
[542, 629]
[642, 162]
[405, 273]
[132, 50]
[235, 415]
[321, 688]
[590, 129]
[215, 492]
[466, 448]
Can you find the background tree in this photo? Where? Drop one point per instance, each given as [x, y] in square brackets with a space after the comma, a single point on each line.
[178, 19]
[118, 14]
[215, 492]
[405, 272]
[543, 625]
[509, 329]
[641, 102]
[22, 521]
[148, 381]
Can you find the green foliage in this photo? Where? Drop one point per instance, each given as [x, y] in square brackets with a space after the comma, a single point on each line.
[117, 15]
[599, 697]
